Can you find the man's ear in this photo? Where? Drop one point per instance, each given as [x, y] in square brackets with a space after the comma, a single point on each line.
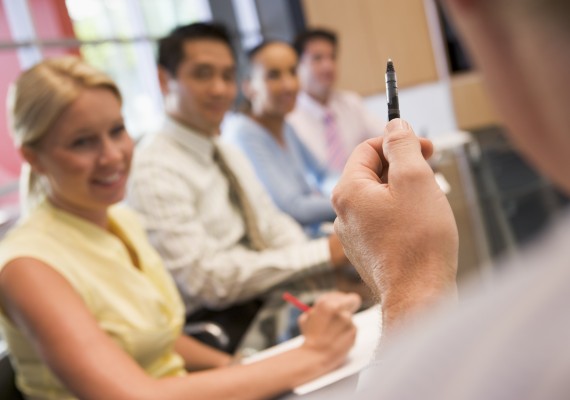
[31, 157]
[164, 78]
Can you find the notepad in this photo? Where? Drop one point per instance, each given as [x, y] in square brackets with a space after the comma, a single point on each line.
[368, 325]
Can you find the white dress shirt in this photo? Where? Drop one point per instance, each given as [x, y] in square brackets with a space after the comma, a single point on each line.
[183, 196]
[354, 122]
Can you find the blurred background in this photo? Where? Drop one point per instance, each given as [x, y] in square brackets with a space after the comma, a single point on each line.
[499, 201]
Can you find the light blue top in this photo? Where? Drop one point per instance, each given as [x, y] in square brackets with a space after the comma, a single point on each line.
[291, 174]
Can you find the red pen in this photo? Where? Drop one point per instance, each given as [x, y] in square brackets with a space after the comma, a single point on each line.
[295, 301]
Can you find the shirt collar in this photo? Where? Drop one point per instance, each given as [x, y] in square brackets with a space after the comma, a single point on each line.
[313, 106]
[200, 145]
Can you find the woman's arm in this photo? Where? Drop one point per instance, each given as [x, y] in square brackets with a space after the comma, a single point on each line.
[41, 303]
[45, 307]
[198, 356]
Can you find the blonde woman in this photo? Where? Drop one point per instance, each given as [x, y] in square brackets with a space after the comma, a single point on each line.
[87, 308]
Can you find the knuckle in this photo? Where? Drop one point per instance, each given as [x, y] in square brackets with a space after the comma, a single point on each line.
[338, 227]
[344, 198]
[340, 199]
[329, 307]
[415, 173]
[346, 318]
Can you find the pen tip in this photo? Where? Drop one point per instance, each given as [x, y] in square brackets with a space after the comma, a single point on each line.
[390, 66]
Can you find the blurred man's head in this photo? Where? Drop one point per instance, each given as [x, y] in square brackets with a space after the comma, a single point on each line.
[522, 47]
[317, 50]
[197, 73]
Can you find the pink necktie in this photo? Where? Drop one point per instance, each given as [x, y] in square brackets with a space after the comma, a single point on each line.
[335, 151]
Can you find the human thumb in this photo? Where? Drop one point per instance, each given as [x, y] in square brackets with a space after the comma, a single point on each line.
[403, 152]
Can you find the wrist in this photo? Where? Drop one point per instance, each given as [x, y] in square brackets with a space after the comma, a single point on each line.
[318, 361]
[405, 304]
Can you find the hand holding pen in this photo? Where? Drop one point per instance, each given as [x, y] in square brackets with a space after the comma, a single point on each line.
[328, 324]
[343, 301]
[288, 297]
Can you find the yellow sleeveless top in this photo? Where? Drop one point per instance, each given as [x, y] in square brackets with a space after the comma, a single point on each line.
[140, 309]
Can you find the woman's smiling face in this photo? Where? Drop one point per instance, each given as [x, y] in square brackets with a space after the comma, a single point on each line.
[86, 155]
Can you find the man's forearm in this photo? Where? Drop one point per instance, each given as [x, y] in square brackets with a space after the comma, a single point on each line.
[402, 306]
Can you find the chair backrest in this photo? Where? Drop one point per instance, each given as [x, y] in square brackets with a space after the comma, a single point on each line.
[8, 389]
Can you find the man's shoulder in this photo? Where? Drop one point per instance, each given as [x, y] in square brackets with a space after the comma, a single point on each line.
[346, 97]
[154, 140]
[306, 111]
[234, 156]
[308, 108]
[159, 148]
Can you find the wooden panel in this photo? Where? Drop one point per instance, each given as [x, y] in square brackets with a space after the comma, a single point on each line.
[370, 32]
[400, 31]
[359, 67]
[473, 108]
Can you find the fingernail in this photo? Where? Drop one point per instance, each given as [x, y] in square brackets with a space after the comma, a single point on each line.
[397, 124]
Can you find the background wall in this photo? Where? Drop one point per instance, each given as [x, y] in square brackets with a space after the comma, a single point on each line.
[439, 93]
[46, 19]
[411, 33]
[118, 37]
[370, 32]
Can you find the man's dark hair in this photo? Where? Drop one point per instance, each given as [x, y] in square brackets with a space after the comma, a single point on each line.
[171, 47]
[300, 42]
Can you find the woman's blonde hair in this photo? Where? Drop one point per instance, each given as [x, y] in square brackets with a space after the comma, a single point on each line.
[35, 102]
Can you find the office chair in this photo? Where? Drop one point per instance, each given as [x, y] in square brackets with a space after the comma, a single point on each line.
[225, 328]
[210, 333]
[8, 389]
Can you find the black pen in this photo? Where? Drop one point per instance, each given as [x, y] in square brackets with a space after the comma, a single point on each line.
[392, 92]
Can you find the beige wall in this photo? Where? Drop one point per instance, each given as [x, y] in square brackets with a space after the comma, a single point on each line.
[473, 108]
[370, 32]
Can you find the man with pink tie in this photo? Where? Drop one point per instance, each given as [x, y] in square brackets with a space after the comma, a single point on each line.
[329, 122]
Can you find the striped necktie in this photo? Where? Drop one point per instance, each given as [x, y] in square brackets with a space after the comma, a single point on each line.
[239, 198]
[336, 153]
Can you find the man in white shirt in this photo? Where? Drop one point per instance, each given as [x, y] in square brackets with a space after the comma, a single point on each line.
[330, 122]
[220, 250]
